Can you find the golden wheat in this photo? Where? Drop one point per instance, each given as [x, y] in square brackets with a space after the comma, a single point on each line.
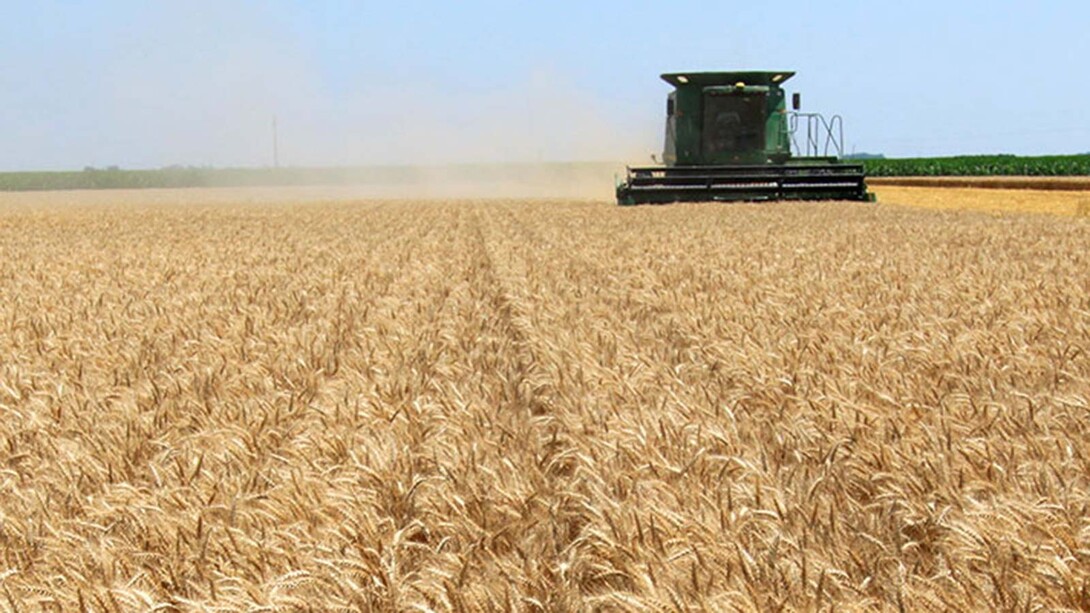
[1001, 201]
[541, 406]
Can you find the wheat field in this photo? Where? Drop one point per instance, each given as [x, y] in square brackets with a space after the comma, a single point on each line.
[992, 200]
[235, 404]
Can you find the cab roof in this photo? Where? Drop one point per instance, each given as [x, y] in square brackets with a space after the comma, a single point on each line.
[705, 79]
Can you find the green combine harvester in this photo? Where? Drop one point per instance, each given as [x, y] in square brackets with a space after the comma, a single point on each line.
[729, 137]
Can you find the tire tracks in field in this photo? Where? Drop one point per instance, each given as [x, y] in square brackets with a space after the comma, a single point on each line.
[678, 345]
[403, 475]
[551, 534]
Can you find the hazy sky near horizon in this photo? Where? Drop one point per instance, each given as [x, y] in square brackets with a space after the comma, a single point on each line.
[148, 84]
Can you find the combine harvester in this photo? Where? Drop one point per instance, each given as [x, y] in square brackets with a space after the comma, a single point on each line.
[729, 137]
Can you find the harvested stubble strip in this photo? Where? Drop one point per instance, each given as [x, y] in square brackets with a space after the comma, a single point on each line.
[1067, 203]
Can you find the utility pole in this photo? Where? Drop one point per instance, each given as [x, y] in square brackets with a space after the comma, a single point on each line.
[276, 145]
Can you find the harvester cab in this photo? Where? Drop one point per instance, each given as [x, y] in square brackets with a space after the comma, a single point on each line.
[730, 137]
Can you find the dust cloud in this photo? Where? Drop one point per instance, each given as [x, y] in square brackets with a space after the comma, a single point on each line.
[199, 85]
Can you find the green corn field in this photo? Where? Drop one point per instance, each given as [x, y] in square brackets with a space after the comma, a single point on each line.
[981, 166]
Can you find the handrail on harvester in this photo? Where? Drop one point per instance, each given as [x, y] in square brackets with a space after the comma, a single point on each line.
[817, 129]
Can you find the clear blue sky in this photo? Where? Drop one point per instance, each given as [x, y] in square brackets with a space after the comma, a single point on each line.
[147, 84]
